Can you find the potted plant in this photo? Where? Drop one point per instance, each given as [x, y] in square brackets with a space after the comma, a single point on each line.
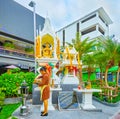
[29, 50]
[9, 45]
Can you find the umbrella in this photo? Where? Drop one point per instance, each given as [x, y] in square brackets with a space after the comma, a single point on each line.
[11, 67]
[113, 69]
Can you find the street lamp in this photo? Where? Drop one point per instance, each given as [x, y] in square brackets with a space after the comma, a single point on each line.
[24, 89]
[32, 4]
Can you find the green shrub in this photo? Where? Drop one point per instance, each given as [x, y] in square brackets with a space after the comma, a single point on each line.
[16, 70]
[112, 84]
[12, 82]
[96, 94]
[9, 45]
[2, 95]
[29, 49]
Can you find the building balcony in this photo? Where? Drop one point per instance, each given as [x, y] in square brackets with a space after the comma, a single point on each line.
[88, 23]
[92, 34]
[100, 22]
[16, 53]
[93, 22]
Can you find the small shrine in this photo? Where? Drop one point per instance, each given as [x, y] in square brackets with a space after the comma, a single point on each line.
[70, 64]
[48, 50]
[47, 44]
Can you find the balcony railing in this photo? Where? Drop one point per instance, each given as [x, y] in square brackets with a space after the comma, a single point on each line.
[16, 53]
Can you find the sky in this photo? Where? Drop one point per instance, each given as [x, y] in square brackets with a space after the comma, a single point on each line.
[64, 12]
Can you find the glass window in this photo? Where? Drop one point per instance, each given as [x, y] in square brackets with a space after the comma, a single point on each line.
[88, 30]
[88, 18]
[77, 27]
[63, 37]
[101, 31]
[101, 19]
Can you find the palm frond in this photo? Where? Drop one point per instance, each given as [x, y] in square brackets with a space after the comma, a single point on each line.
[69, 44]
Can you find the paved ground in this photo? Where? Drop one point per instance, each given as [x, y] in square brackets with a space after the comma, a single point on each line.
[107, 112]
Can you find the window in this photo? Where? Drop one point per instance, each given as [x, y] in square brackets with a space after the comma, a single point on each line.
[88, 18]
[77, 27]
[101, 19]
[88, 30]
[63, 37]
[101, 31]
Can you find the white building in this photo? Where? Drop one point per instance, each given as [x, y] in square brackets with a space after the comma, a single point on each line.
[92, 25]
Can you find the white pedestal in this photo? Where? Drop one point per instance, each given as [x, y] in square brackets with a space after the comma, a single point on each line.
[70, 79]
[50, 105]
[87, 97]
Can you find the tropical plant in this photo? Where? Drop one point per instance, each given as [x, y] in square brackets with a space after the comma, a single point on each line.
[82, 47]
[109, 50]
[13, 81]
[9, 45]
[100, 60]
[2, 95]
[89, 64]
[16, 70]
[29, 49]
[118, 62]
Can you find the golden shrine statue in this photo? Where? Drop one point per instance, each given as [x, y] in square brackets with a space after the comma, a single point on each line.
[46, 51]
[47, 44]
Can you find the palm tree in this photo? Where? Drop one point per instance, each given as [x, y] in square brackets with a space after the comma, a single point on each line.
[101, 58]
[82, 47]
[118, 62]
[109, 49]
[89, 63]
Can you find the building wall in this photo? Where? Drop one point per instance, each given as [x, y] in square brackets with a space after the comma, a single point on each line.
[70, 33]
[18, 20]
[92, 26]
[16, 25]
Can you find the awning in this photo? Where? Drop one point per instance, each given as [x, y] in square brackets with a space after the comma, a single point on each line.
[112, 69]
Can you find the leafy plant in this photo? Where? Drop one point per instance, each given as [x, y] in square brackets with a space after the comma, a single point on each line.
[16, 70]
[112, 84]
[9, 45]
[12, 82]
[29, 49]
[2, 96]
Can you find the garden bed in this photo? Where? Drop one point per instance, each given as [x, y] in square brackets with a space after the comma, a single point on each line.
[106, 103]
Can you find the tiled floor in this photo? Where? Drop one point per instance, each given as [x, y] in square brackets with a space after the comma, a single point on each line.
[106, 113]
